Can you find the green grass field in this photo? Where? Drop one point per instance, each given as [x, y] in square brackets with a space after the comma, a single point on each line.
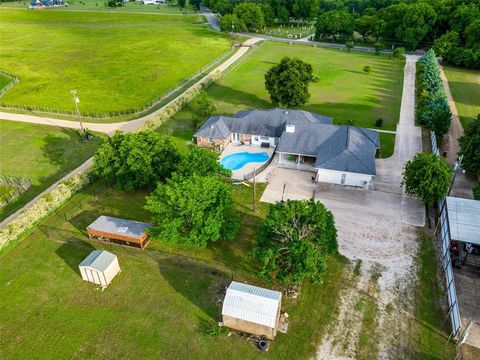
[465, 87]
[114, 61]
[343, 91]
[161, 305]
[40, 153]
[4, 81]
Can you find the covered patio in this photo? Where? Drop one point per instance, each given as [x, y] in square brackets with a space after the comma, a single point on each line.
[297, 162]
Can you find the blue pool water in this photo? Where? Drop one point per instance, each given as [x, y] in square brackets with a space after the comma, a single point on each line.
[238, 160]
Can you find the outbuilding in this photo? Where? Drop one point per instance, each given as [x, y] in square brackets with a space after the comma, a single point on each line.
[252, 309]
[128, 232]
[100, 267]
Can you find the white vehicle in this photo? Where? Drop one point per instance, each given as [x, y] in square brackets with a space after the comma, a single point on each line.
[152, 2]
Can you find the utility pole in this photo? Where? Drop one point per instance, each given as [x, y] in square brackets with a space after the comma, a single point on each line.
[254, 188]
[76, 100]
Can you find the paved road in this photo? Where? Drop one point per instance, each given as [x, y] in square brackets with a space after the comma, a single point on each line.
[211, 17]
[108, 128]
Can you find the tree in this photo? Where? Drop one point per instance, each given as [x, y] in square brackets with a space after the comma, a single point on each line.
[287, 83]
[182, 3]
[294, 241]
[417, 22]
[230, 22]
[427, 176]
[204, 105]
[202, 162]
[191, 211]
[472, 34]
[251, 15]
[349, 45]
[476, 191]
[437, 115]
[334, 23]
[399, 53]
[136, 160]
[196, 4]
[365, 25]
[470, 147]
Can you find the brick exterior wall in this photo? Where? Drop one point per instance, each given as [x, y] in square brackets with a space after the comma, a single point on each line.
[222, 143]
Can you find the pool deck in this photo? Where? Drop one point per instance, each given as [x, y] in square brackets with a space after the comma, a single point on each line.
[233, 148]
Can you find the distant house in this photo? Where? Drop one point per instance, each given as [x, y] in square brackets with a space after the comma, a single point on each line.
[252, 309]
[303, 140]
[99, 267]
[128, 232]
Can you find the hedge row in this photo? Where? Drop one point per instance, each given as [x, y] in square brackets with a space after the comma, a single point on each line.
[433, 109]
[43, 207]
[176, 105]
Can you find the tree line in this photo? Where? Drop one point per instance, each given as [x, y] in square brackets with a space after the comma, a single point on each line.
[452, 27]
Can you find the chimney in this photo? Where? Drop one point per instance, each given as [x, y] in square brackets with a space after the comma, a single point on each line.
[290, 128]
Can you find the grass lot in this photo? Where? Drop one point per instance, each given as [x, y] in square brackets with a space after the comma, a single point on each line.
[465, 87]
[40, 153]
[429, 335]
[4, 81]
[115, 61]
[161, 306]
[343, 90]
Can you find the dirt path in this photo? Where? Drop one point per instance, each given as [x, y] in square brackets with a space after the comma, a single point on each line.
[450, 140]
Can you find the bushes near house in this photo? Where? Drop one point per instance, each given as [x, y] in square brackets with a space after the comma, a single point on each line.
[433, 109]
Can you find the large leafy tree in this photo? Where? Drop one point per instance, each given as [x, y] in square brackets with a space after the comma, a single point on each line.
[251, 15]
[427, 176]
[470, 147]
[334, 23]
[287, 83]
[294, 241]
[191, 211]
[230, 22]
[202, 162]
[136, 160]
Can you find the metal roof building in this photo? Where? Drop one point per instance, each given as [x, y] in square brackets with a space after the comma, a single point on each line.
[464, 219]
[252, 309]
[99, 267]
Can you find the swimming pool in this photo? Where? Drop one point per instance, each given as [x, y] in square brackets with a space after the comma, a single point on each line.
[238, 160]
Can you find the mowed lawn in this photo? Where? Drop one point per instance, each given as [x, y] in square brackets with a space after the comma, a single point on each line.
[4, 81]
[343, 90]
[115, 61]
[163, 305]
[40, 153]
[465, 87]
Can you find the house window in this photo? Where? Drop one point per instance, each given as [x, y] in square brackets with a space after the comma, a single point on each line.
[256, 138]
[210, 140]
[236, 137]
[264, 138]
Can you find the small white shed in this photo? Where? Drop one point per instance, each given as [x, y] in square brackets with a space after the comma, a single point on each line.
[100, 267]
[252, 309]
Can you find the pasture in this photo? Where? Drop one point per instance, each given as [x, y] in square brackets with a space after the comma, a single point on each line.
[115, 61]
[343, 90]
[164, 303]
[40, 153]
[465, 87]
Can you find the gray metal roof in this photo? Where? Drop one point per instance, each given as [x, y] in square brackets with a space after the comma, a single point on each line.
[252, 303]
[113, 225]
[257, 122]
[464, 219]
[99, 260]
[335, 147]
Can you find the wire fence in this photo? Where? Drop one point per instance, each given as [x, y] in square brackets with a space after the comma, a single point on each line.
[11, 187]
[151, 105]
[13, 80]
[443, 243]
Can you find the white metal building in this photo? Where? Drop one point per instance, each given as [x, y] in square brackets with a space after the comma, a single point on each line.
[252, 309]
[464, 220]
[100, 267]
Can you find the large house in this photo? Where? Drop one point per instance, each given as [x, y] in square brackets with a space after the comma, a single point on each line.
[303, 140]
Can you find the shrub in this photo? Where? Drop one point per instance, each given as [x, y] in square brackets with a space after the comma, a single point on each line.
[399, 53]
[349, 45]
[476, 191]
[367, 69]
[378, 48]
[379, 122]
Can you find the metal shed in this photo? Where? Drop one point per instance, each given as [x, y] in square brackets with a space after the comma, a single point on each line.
[252, 309]
[100, 267]
[464, 220]
[121, 231]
